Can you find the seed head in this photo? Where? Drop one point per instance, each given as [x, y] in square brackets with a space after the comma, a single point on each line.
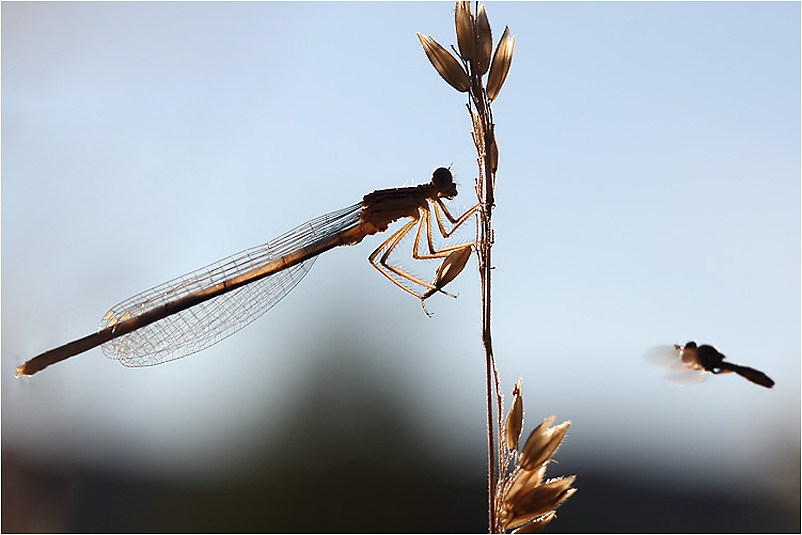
[483, 44]
[525, 503]
[463, 20]
[515, 418]
[535, 502]
[522, 481]
[445, 64]
[542, 443]
[501, 65]
[537, 525]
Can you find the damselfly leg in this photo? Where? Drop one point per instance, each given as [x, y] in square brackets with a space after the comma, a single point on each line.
[422, 221]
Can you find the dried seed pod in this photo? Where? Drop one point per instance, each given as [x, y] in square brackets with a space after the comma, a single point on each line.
[501, 65]
[463, 20]
[542, 443]
[451, 266]
[537, 525]
[515, 418]
[522, 481]
[537, 501]
[483, 44]
[446, 64]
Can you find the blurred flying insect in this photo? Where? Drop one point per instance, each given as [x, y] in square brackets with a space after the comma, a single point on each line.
[703, 358]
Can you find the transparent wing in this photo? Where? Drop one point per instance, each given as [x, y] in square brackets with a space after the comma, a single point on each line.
[207, 323]
[676, 372]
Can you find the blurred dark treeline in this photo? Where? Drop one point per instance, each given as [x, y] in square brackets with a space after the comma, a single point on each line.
[339, 495]
[361, 469]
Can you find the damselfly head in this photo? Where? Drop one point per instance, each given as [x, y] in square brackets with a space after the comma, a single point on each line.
[443, 182]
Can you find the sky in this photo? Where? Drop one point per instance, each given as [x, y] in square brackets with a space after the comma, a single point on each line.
[648, 193]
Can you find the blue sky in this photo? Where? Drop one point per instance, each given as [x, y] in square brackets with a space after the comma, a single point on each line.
[648, 193]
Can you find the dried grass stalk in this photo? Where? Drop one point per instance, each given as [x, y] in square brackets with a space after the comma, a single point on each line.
[518, 499]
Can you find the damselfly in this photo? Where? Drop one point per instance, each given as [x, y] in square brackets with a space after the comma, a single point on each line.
[193, 312]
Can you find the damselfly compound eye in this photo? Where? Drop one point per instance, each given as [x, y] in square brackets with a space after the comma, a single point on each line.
[444, 182]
